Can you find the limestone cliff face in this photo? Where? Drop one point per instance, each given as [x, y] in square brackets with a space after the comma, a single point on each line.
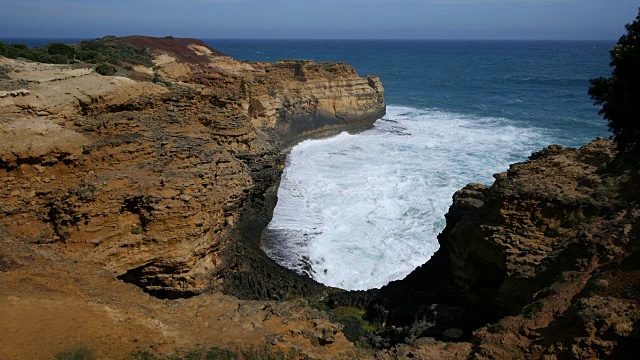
[547, 255]
[168, 187]
[313, 99]
[296, 99]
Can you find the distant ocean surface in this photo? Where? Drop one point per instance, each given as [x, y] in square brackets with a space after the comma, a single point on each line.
[358, 211]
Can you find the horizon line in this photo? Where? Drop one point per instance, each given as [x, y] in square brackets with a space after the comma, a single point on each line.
[308, 39]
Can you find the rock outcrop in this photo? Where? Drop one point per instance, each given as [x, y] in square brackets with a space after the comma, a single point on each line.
[165, 177]
[548, 255]
[167, 183]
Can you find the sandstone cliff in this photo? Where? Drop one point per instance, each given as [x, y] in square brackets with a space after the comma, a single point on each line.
[167, 184]
[165, 177]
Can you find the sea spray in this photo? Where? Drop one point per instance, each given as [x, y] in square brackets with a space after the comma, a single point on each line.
[358, 211]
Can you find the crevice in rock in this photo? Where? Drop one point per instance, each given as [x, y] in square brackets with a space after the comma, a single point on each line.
[150, 284]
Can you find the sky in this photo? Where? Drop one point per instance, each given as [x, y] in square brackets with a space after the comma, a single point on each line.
[320, 19]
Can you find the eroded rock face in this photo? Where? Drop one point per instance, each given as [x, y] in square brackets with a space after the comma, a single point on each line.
[314, 99]
[169, 188]
[535, 255]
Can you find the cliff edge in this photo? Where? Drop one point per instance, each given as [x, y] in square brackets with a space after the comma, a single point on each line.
[166, 175]
[162, 175]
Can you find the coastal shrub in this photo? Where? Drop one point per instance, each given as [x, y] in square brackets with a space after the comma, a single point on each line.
[157, 79]
[95, 46]
[619, 94]
[58, 59]
[8, 51]
[106, 69]
[15, 51]
[61, 49]
[108, 50]
[39, 54]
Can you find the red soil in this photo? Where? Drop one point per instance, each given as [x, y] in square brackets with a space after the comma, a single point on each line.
[176, 47]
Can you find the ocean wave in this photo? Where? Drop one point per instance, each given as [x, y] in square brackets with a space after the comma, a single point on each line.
[358, 211]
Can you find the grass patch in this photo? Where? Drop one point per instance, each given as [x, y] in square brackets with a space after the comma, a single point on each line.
[353, 321]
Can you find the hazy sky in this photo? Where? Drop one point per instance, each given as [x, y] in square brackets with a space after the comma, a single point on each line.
[324, 19]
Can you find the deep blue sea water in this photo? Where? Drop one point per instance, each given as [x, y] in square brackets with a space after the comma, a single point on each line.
[359, 210]
[533, 83]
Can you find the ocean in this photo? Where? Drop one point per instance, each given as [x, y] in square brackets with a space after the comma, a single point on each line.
[357, 211]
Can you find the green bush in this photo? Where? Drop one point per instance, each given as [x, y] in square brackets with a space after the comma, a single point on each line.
[619, 94]
[95, 45]
[61, 49]
[15, 51]
[108, 50]
[98, 51]
[19, 46]
[58, 59]
[352, 320]
[8, 51]
[106, 69]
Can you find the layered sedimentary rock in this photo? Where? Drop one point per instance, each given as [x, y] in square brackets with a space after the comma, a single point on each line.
[167, 184]
[548, 255]
[166, 178]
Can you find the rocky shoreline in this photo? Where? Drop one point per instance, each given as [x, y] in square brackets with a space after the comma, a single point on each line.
[542, 264]
[165, 177]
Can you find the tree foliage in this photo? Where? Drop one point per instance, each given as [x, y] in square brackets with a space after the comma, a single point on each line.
[619, 94]
[15, 51]
[61, 49]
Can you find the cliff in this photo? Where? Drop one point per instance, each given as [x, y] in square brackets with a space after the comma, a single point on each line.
[547, 255]
[167, 183]
[165, 177]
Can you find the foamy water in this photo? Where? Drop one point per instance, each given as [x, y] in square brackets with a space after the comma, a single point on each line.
[358, 211]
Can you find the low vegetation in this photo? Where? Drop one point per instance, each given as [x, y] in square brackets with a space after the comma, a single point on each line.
[106, 69]
[355, 326]
[107, 53]
[106, 50]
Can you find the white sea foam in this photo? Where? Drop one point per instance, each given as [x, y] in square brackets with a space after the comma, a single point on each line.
[358, 211]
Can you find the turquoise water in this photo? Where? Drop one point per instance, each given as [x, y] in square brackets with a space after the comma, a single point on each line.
[359, 210]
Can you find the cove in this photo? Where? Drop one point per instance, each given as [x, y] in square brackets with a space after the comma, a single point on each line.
[358, 211]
